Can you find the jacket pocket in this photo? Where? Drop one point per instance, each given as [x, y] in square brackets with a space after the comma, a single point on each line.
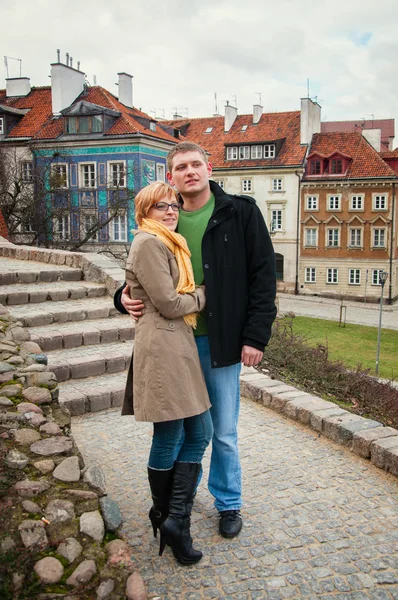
[168, 324]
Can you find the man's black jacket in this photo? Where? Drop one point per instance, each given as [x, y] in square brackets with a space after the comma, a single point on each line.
[240, 279]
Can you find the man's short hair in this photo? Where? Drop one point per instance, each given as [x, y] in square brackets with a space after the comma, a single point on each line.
[150, 195]
[182, 148]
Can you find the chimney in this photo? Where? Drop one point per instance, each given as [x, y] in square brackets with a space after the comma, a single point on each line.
[310, 120]
[126, 89]
[66, 85]
[373, 136]
[257, 113]
[230, 115]
[17, 87]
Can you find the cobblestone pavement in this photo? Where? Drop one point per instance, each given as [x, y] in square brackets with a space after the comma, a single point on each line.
[325, 308]
[319, 522]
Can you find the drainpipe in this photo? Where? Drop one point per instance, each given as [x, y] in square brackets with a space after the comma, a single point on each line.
[389, 299]
[296, 285]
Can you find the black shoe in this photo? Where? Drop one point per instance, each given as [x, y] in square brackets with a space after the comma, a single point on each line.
[160, 484]
[230, 523]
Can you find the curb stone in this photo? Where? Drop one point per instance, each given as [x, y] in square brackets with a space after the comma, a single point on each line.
[365, 437]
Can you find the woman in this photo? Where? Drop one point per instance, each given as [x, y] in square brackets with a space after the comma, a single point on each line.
[168, 384]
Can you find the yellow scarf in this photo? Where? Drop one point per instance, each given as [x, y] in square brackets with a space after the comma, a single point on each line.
[177, 244]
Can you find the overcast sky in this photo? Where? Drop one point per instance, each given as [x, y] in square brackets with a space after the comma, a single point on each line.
[181, 53]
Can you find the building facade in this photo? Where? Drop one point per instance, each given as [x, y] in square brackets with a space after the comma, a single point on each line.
[347, 219]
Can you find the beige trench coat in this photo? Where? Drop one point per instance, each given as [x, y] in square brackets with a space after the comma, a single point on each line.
[168, 382]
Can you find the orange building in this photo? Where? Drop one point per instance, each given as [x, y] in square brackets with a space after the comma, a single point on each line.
[348, 220]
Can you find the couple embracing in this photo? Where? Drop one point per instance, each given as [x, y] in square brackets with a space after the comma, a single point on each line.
[204, 300]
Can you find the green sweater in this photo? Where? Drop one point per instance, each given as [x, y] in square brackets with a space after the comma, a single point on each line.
[192, 226]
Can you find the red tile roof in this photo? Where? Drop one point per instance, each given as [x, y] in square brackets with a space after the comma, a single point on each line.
[40, 124]
[387, 127]
[284, 126]
[366, 161]
[390, 154]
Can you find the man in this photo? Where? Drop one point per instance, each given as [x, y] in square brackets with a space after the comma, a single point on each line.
[232, 255]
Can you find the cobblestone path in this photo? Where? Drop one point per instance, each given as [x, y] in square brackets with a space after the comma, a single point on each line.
[319, 522]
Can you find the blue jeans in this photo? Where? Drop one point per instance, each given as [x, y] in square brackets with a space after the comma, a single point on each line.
[224, 391]
[166, 446]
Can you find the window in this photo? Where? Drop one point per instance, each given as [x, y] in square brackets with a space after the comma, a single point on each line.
[232, 153]
[244, 127]
[29, 226]
[269, 151]
[310, 237]
[117, 176]
[310, 275]
[276, 220]
[87, 175]
[256, 151]
[61, 227]
[244, 152]
[311, 203]
[152, 125]
[247, 185]
[379, 238]
[379, 202]
[1, 125]
[315, 167]
[334, 203]
[332, 275]
[376, 276]
[333, 237]
[209, 130]
[220, 182]
[119, 228]
[336, 166]
[160, 172]
[59, 176]
[354, 276]
[89, 222]
[356, 203]
[277, 185]
[93, 124]
[355, 238]
[27, 172]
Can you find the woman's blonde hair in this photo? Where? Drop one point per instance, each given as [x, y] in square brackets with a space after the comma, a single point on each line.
[150, 195]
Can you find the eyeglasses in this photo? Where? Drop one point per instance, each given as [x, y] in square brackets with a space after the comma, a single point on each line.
[163, 206]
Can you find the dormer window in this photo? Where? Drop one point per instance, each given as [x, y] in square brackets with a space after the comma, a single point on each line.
[152, 126]
[244, 127]
[336, 166]
[315, 167]
[90, 124]
[209, 130]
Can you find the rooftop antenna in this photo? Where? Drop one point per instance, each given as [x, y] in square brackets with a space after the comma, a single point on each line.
[215, 103]
[235, 99]
[308, 88]
[94, 79]
[58, 55]
[259, 97]
[7, 58]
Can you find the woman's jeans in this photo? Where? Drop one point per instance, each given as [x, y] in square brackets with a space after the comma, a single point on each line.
[166, 447]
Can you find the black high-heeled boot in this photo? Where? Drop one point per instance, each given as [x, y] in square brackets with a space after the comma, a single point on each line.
[175, 531]
[160, 484]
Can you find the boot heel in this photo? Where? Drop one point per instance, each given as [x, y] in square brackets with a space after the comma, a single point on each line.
[162, 544]
[155, 530]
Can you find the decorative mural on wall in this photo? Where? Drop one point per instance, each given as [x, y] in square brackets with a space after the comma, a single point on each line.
[148, 172]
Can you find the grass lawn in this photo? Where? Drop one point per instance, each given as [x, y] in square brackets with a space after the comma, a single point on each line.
[352, 344]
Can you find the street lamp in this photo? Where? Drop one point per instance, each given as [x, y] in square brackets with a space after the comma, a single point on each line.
[382, 279]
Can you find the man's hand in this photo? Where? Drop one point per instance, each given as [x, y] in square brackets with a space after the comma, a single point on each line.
[250, 356]
[133, 307]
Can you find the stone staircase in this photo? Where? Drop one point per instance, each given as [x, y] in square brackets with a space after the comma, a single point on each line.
[87, 342]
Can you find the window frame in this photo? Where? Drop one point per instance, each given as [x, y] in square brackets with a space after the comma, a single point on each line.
[335, 197]
[279, 219]
[244, 152]
[310, 275]
[81, 176]
[335, 241]
[90, 215]
[378, 271]
[110, 165]
[354, 272]
[56, 166]
[269, 151]
[256, 149]
[246, 185]
[334, 271]
[161, 167]
[336, 166]
[377, 197]
[220, 182]
[112, 228]
[2, 125]
[90, 120]
[307, 202]
[27, 174]
[232, 153]
[65, 217]
[277, 184]
[306, 236]
[351, 231]
[357, 197]
[377, 231]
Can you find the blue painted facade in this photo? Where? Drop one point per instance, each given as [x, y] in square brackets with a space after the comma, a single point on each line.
[141, 168]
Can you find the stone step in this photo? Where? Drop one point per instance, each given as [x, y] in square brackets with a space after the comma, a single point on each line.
[34, 293]
[93, 394]
[18, 271]
[83, 333]
[90, 361]
[64, 311]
